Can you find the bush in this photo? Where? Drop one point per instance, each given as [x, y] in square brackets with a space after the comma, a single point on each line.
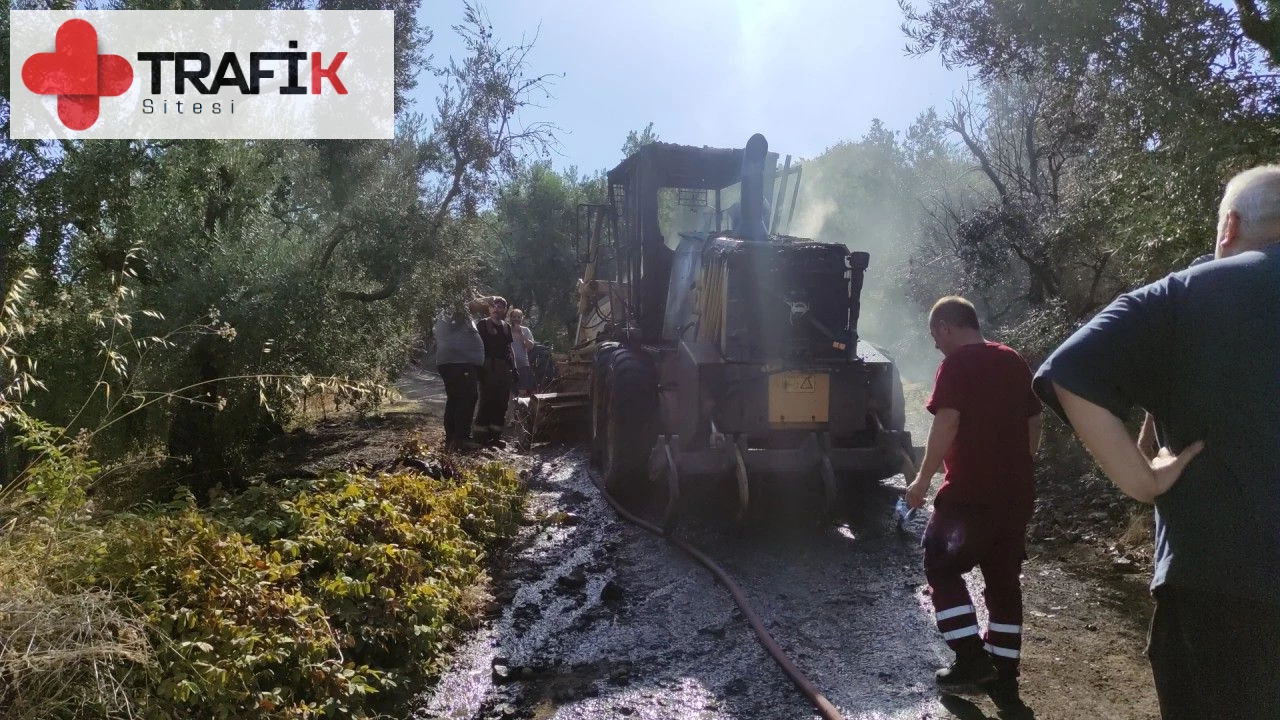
[392, 559]
[311, 598]
[234, 634]
[64, 647]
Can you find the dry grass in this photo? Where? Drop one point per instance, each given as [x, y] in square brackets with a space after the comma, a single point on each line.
[1139, 536]
[66, 655]
[319, 404]
[476, 598]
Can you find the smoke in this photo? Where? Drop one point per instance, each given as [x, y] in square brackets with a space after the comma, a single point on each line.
[863, 194]
[811, 216]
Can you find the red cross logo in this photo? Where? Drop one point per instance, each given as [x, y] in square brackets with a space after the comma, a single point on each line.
[77, 74]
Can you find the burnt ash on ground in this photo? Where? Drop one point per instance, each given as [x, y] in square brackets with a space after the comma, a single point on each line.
[594, 618]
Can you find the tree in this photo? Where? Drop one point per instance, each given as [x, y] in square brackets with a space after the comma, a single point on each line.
[636, 140]
[256, 258]
[1026, 140]
[1262, 28]
[533, 245]
[472, 144]
[1169, 96]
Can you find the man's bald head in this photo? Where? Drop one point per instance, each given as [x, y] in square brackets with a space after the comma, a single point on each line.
[1249, 215]
[955, 311]
[953, 323]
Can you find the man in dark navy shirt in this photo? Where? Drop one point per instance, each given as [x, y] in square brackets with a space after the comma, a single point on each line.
[1148, 443]
[1200, 351]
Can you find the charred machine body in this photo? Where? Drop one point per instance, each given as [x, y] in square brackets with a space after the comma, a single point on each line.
[711, 348]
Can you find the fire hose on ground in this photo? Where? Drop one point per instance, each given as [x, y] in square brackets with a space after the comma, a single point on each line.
[824, 706]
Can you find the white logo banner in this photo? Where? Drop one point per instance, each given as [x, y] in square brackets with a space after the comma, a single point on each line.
[186, 74]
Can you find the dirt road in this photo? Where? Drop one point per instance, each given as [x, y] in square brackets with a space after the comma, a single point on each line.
[597, 619]
[602, 620]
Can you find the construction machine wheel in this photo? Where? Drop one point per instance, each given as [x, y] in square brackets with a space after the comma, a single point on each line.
[630, 408]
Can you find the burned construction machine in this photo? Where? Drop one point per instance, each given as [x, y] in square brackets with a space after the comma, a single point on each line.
[712, 349]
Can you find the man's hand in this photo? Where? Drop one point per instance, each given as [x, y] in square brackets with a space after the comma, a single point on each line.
[916, 492]
[1108, 441]
[1168, 467]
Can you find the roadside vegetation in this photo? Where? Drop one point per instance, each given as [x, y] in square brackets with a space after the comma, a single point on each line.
[170, 307]
[122, 594]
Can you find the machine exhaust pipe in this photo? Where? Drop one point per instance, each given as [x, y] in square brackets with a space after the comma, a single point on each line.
[753, 156]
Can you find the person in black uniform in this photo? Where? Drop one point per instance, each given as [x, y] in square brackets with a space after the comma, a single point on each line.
[497, 374]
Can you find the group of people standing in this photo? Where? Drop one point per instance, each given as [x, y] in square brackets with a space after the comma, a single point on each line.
[481, 362]
[1199, 352]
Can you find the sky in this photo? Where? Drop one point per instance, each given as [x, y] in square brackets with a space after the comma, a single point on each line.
[805, 73]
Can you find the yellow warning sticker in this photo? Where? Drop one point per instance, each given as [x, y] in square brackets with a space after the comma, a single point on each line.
[798, 397]
[796, 383]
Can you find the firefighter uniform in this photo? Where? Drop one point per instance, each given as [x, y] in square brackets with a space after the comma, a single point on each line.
[985, 501]
[496, 378]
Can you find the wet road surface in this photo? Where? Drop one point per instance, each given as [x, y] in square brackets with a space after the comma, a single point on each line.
[600, 619]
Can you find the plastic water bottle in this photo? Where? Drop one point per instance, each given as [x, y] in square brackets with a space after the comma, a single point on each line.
[903, 512]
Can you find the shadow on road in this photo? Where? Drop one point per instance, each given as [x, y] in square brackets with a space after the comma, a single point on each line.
[966, 710]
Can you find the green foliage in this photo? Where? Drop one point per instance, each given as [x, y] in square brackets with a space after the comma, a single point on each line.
[313, 598]
[638, 139]
[1262, 25]
[532, 246]
[1169, 103]
[310, 599]
[320, 258]
[413, 544]
[234, 636]
[53, 488]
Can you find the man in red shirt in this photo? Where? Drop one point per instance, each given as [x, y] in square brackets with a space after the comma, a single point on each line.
[986, 427]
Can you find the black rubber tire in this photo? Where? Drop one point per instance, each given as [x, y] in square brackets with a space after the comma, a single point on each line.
[598, 430]
[631, 391]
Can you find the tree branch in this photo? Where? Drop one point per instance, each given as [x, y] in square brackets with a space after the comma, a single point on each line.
[1099, 269]
[959, 124]
[1033, 159]
[380, 294]
[336, 235]
[1038, 270]
[1262, 30]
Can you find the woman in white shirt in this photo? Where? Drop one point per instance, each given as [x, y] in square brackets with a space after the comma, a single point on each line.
[521, 344]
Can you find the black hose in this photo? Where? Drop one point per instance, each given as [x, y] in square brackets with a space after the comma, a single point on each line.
[824, 706]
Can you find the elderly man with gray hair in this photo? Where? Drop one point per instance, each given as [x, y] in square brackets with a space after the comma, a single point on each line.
[1200, 351]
